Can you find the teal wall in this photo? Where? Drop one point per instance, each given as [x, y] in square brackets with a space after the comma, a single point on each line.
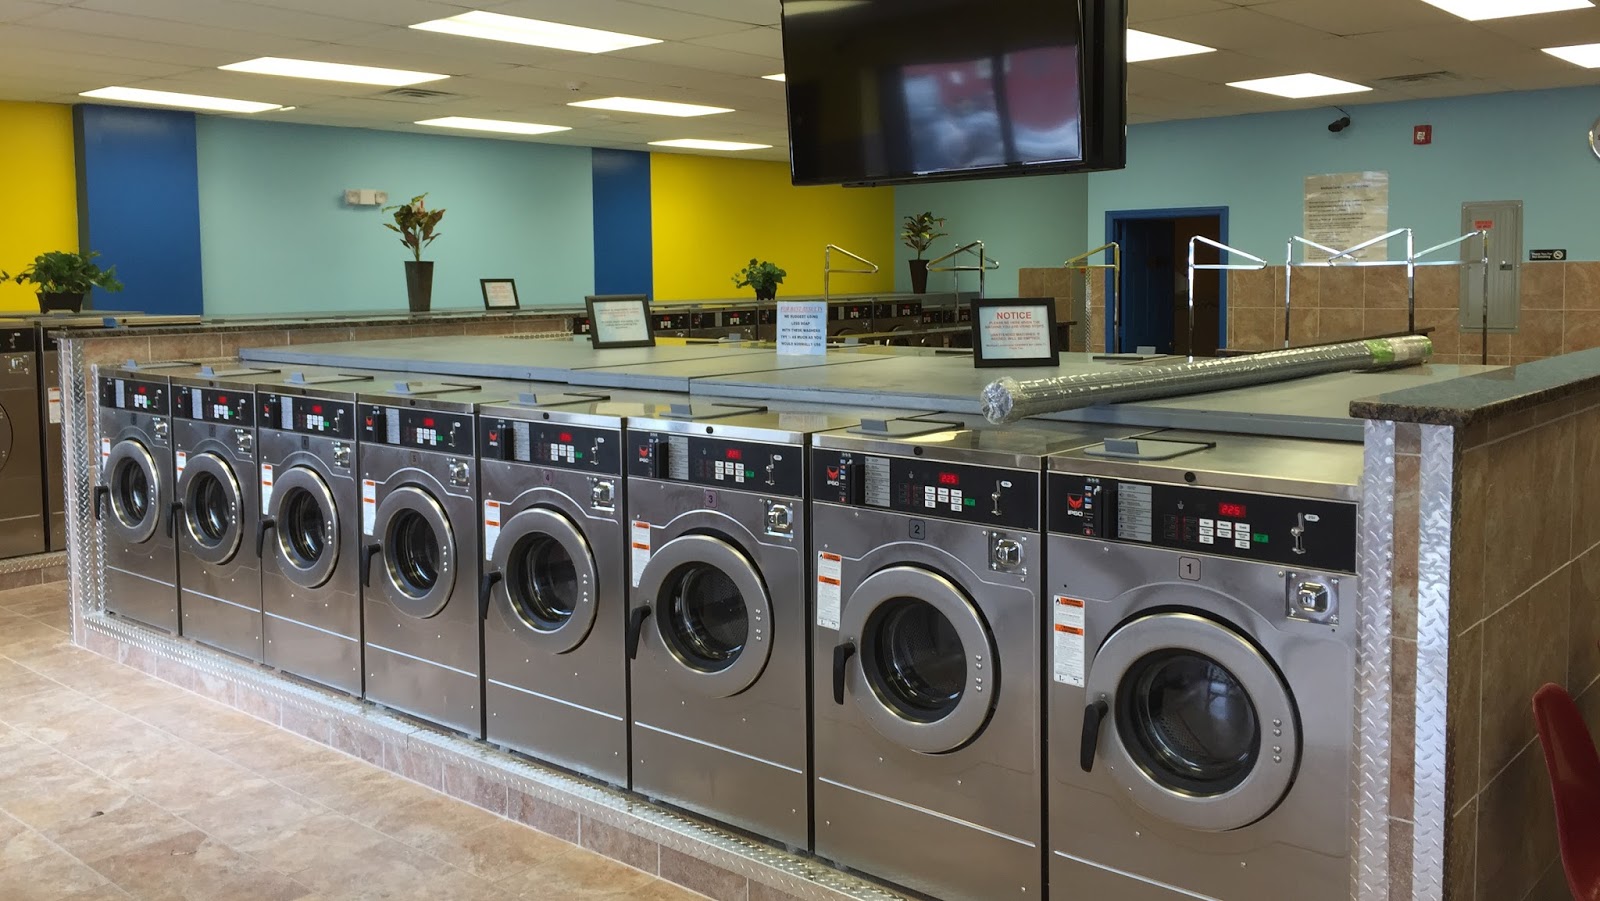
[276, 235]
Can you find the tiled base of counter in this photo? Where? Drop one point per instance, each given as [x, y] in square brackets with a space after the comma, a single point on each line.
[697, 856]
[35, 569]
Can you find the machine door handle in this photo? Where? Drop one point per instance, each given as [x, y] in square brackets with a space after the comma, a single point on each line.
[485, 587]
[1093, 716]
[266, 523]
[175, 511]
[635, 627]
[102, 496]
[367, 553]
[841, 659]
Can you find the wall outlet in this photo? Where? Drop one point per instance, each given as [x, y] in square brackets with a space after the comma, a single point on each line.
[352, 197]
[365, 197]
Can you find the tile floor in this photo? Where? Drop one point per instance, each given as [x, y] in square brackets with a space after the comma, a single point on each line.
[114, 785]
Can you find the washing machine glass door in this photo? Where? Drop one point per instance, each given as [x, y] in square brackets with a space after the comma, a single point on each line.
[1205, 734]
[924, 673]
[135, 491]
[306, 527]
[548, 579]
[712, 614]
[210, 493]
[419, 552]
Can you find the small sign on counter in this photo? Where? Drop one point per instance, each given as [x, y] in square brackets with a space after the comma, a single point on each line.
[620, 320]
[499, 293]
[1015, 332]
[802, 329]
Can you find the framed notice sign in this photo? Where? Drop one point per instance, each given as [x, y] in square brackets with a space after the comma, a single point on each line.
[499, 293]
[620, 320]
[1015, 332]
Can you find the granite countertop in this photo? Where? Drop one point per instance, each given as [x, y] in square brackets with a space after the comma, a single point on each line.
[1472, 399]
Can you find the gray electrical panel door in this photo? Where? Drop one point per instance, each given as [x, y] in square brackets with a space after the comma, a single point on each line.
[1503, 220]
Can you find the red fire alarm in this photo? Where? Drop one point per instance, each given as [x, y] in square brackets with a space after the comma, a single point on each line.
[1422, 135]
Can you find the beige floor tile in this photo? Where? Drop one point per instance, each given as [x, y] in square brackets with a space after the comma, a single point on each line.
[183, 778]
[662, 890]
[205, 723]
[104, 832]
[20, 844]
[17, 598]
[324, 841]
[103, 893]
[54, 802]
[385, 870]
[50, 877]
[499, 850]
[116, 742]
[433, 823]
[194, 867]
[579, 876]
[358, 790]
[48, 706]
[250, 813]
[277, 754]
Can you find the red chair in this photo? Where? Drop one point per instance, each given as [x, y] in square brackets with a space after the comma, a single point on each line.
[1574, 766]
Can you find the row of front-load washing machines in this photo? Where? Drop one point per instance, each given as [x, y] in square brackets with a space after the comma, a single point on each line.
[1048, 660]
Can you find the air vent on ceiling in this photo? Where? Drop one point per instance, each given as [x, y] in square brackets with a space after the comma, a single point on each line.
[417, 95]
[1421, 78]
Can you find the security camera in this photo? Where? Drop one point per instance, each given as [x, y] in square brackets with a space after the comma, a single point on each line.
[1339, 124]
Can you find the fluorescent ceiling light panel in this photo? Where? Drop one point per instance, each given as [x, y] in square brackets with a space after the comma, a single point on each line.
[1144, 47]
[651, 107]
[1299, 87]
[534, 32]
[1585, 55]
[1479, 10]
[777, 77]
[697, 144]
[500, 125]
[185, 101]
[305, 68]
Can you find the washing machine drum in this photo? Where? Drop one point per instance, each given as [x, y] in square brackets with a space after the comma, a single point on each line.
[924, 673]
[134, 491]
[209, 490]
[1205, 733]
[419, 552]
[548, 579]
[306, 527]
[712, 614]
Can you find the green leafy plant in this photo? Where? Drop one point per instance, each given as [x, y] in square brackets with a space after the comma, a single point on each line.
[415, 224]
[764, 277]
[920, 231]
[65, 272]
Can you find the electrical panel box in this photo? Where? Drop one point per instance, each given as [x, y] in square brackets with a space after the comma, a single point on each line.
[1502, 219]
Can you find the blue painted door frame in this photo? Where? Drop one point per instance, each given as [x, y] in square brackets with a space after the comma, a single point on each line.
[1114, 218]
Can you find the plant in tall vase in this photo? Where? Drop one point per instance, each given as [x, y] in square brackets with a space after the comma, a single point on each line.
[63, 278]
[761, 276]
[918, 233]
[416, 225]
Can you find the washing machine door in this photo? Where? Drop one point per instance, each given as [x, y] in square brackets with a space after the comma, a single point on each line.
[712, 614]
[306, 527]
[210, 493]
[924, 673]
[1203, 731]
[419, 552]
[134, 494]
[548, 579]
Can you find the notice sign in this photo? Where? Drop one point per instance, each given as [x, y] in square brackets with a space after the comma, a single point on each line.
[802, 329]
[499, 293]
[1534, 256]
[620, 320]
[1015, 332]
[1346, 209]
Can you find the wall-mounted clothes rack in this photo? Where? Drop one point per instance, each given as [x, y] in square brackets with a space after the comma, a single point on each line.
[985, 265]
[1080, 263]
[1256, 264]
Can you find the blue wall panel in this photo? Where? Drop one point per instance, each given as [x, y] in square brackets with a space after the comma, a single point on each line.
[623, 263]
[139, 205]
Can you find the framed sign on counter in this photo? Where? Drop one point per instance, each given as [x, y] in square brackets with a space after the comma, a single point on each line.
[1016, 331]
[499, 293]
[620, 320]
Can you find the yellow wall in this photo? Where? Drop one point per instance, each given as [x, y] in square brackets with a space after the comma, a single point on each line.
[39, 187]
[711, 215]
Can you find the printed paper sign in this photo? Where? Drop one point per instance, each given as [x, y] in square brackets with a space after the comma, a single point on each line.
[1346, 209]
[55, 406]
[830, 572]
[369, 506]
[266, 486]
[620, 320]
[641, 550]
[1014, 333]
[802, 329]
[1069, 665]
[491, 528]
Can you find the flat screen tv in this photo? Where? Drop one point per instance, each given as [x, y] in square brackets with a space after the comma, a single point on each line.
[893, 91]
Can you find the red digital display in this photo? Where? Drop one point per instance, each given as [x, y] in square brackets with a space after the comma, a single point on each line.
[427, 423]
[222, 398]
[1231, 511]
[949, 478]
[735, 453]
[564, 437]
[141, 389]
[317, 409]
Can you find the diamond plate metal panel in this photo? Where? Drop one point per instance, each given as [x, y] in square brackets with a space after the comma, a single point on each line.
[1438, 491]
[1373, 665]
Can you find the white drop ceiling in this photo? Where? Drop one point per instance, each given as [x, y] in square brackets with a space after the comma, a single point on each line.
[715, 52]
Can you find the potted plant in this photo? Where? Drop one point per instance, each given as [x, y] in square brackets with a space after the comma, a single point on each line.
[763, 277]
[64, 278]
[415, 224]
[919, 232]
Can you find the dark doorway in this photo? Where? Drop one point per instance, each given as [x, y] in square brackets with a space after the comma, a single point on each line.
[1155, 272]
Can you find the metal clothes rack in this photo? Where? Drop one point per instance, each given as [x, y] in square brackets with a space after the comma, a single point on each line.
[1349, 261]
[985, 263]
[1196, 241]
[1483, 236]
[1113, 295]
[827, 281]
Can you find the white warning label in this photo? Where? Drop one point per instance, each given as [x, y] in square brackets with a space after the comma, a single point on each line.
[55, 406]
[369, 506]
[1069, 665]
[105, 450]
[641, 550]
[266, 486]
[491, 528]
[182, 462]
[830, 572]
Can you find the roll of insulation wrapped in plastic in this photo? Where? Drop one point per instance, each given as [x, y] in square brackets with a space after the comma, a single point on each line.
[1010, 399]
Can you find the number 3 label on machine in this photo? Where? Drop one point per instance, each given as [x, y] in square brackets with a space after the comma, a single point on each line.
[1069, 668]
[830, 570]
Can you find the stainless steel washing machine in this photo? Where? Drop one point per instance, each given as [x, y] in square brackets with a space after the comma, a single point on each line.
[1202, 663]
[216, 505]
[420, 545]
[928, 571]
[308, 539]
[717, 613]
[22, 491]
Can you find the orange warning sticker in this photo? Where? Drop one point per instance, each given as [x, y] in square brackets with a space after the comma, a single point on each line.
[1068, 648]
[830, 589]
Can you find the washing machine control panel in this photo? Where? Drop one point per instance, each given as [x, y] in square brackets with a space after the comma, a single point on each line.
[956, 491]
[132, 394]
[1305, 533]
[431, 430]
[551, 444]
[308, 416]
[214, 405]
[717, 462]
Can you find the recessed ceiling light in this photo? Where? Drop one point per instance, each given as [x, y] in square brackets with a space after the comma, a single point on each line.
[1479, 10]
[534, 32]
[651, 107]
[777, 77]
[500, 125]
[1585, 55]
[697, 144]
[1298, 87]
[186, 101]
[1144, 47]
[305, 68]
